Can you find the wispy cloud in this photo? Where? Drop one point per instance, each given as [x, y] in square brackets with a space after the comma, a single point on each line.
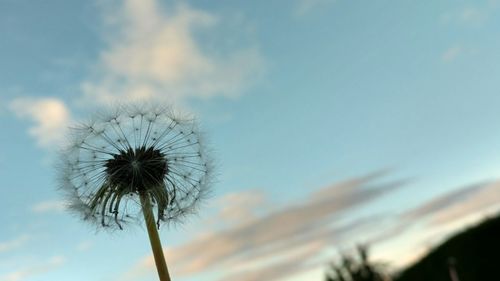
[240, 207]
[298, 261]
[25, 273]
[456, 204]
[413, 232]
[153, 52]
[290, 240]
[84, 245]
[49, 206]
[14, 243]
[271, 240]
[481, 198]
[49, 115]
[438, 217]
[474, 14]
[451, 53]
[304, 7]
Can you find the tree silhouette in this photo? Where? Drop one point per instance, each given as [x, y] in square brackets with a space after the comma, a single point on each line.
[356, 268]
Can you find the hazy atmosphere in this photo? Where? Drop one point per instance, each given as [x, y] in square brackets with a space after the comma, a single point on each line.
[331, 123]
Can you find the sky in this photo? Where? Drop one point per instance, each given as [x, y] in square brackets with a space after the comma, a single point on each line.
[331, 122]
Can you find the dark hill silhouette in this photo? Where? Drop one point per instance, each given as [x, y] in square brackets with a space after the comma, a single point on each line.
[474, 254]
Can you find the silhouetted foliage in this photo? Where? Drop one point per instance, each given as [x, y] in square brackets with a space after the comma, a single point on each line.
[473, 255]
[356, 268]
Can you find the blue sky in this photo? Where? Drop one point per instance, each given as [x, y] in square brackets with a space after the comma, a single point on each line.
[333, 122]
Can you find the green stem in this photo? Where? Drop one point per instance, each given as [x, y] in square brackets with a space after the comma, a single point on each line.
[161, 265]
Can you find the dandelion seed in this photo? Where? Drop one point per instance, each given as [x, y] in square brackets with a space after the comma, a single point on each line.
[136, 163]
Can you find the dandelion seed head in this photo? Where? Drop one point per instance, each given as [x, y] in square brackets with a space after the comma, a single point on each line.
[114, 158]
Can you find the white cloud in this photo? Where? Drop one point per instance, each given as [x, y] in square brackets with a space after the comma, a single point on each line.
[475, 15]
[49, 206]
[13, 244]
[305, 6]
[153, 53]
[472, 14]
[451, 54]
[24, 273]
[50, 116]
[84, 245]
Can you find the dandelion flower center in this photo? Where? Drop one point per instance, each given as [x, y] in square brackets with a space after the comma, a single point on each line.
[137, 170]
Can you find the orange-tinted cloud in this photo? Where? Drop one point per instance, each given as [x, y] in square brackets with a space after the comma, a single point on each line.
[270, 240]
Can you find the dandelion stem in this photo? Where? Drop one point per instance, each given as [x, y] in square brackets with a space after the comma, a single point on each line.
[161, 265]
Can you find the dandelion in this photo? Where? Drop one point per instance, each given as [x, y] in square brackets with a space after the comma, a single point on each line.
[136, 163]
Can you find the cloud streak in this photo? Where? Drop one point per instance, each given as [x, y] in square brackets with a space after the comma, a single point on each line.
[23, 274]
[315, 224]
[290, 265]
[304, 7]
[480, 198]
[456, 204]
[451, 54]
[13, 244]
[291, 240]
[49, 206]
[439, 216]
